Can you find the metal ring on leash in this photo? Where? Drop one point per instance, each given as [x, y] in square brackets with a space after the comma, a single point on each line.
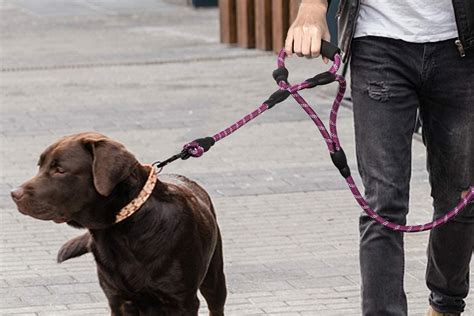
[156, 165]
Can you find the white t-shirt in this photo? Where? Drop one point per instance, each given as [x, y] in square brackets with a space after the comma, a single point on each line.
[416, 21]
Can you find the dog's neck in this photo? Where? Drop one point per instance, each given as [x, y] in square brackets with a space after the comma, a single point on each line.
[134, 205]
[103, 214]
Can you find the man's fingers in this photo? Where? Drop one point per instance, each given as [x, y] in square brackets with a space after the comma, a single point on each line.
[297, 41]
[315, 44]
[289, 42]
[310, 22]
[306, 42]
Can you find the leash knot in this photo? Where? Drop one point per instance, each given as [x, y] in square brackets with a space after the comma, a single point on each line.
[193, 149]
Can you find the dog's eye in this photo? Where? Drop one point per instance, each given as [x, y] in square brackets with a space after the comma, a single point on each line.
[57, 169]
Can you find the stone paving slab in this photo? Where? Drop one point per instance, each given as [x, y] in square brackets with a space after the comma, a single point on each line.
[153, 76]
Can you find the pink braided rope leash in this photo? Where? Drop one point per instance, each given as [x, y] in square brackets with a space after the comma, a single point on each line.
[194, 149]
[224, 133]
[333, 144]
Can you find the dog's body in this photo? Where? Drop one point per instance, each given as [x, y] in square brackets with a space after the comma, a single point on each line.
[151, 263]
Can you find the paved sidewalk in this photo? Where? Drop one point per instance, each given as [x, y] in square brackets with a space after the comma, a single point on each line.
[153, 76]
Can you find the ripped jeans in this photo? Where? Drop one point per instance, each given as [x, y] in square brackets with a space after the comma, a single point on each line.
[391, 80]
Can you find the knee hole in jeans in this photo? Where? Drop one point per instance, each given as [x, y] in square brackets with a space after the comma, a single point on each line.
[378, 91]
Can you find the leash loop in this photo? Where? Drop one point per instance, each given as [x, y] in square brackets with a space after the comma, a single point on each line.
[197, 147]
[192, 149]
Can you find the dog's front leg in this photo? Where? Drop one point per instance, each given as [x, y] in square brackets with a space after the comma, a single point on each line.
[123, 308]
[119, 306]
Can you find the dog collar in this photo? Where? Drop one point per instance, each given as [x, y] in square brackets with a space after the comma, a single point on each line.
[129, 209]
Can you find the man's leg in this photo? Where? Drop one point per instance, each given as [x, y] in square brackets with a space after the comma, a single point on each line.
[447, 108]
[384, 83]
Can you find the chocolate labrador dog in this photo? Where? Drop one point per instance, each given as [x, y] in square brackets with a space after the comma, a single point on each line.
[155, 240]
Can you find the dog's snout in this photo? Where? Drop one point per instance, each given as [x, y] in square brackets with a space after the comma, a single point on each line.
[17, 194]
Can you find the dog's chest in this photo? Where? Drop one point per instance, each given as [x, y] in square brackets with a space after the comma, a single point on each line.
[130, 267]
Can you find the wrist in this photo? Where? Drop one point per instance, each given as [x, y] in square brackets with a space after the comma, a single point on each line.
[320, 2]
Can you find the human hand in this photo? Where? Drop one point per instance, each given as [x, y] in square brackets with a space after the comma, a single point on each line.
[310, 26]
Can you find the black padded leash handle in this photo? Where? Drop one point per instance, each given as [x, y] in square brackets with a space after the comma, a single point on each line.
[329, 50]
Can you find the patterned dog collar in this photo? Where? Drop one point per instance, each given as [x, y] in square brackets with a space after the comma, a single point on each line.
[129, 209]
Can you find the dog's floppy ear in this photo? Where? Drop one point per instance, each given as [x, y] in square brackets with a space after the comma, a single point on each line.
[112, 163]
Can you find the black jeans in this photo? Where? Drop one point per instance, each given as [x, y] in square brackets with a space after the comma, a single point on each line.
[391, 79]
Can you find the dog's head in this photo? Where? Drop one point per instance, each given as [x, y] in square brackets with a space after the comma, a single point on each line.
[75, 174]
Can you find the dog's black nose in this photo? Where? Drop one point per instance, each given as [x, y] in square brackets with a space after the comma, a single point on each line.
[17, 194]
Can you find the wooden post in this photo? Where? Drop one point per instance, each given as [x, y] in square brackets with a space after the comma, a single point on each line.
[263, 24]
[279, 23]
[245, 23]
[228, 23]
